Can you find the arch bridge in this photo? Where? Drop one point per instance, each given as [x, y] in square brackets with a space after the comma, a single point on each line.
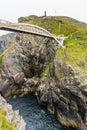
[27, 29]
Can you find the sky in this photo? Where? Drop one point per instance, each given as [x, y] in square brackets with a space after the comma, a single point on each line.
[11, 10]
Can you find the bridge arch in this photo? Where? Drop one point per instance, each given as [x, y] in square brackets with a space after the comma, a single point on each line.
[28, 29]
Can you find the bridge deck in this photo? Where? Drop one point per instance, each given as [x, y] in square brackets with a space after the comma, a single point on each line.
[28, 29]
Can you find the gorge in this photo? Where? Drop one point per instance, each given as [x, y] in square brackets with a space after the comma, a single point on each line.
[57, 76]
[35, 115]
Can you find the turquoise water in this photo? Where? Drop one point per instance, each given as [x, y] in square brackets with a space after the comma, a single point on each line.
[35, 115]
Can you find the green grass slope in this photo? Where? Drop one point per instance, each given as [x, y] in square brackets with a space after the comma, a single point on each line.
[56, 24]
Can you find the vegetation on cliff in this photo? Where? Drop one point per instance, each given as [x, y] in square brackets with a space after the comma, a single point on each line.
[61, 85]
[38, 62]
[4, 124]
[1, 59]
[75, 51]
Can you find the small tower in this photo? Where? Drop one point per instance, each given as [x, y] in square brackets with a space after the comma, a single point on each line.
[45, 13]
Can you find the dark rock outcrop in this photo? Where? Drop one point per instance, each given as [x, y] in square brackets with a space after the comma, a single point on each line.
[33, 63]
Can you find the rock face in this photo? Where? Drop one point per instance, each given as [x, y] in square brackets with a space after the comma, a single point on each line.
[12, 116]
[33, 65]
[5, 41]
[65, 95]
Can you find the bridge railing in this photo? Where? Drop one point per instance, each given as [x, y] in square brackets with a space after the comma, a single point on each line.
[4, 21]
[31, 28]
[27, 28]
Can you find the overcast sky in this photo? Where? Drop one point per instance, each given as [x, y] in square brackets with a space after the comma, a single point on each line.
[12, 9]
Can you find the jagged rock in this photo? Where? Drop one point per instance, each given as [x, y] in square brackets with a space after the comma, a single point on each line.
[5, 41]
[33, 63]
[32, 82]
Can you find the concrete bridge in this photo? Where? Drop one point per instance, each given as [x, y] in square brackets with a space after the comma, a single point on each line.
[29, 29]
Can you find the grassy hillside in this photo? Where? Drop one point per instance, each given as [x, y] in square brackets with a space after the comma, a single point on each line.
[75, 51]
[56, 24]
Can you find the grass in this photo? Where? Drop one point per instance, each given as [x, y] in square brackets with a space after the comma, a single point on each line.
[56, 24]
[75, 51]
[4, 124]
[1, 59]
[47, 69]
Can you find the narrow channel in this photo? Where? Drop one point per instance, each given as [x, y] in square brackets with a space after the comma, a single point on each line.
[35, 115]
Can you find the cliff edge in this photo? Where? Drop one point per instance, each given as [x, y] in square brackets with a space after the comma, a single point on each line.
[57, 76]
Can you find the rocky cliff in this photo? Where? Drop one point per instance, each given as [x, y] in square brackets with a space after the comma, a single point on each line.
[34, 64]
[5, 41]
[9, 119]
